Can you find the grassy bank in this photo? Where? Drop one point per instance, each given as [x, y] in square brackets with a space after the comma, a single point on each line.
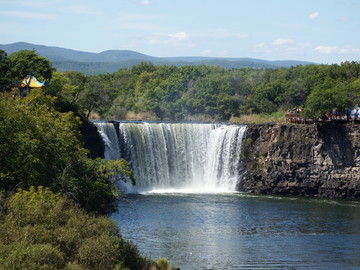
[276, 117]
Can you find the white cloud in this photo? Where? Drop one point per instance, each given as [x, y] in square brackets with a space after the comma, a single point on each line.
[144, 2]
[174, 38]
[262, 48]
[337, 50]
[281, 41]
[326, 49]
[29, 15]
[283, 47]
[260, 45]
[305, 50]
[179, 36]
[314, 15]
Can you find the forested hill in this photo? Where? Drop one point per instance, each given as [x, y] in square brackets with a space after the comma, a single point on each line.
[112, 60]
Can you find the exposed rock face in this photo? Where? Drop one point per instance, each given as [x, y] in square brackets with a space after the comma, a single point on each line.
[92, 139]
[304, 160]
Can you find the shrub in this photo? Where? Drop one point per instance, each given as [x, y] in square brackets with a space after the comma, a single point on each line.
[130, 255]
[43, 230]
[98, 253]
[21, 256]
[164, 264]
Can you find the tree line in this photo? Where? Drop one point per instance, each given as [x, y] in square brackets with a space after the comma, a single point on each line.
[202, 92]
[212, 93]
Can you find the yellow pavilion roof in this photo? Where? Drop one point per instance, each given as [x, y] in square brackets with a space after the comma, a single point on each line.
[30, 81]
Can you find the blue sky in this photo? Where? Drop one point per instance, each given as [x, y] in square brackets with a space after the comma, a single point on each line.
[321, 31]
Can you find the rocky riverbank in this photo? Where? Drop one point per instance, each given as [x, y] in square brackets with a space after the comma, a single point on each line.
[303, 160]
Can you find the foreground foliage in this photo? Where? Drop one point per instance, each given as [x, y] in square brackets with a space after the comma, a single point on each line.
[41, 146]
[43, 230]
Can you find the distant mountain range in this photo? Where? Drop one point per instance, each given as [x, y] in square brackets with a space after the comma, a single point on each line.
[112, 60]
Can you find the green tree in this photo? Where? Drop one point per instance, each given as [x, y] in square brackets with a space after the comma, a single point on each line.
[36, 141]
[25, 61]
[214, 96]
[94, 183]
[96, 96]
[5, 80]
[143, 67]
[67, 85]
[41, 146]
[328, 97]
[355, 90]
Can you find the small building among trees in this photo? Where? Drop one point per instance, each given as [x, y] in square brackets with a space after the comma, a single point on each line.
[25, 85]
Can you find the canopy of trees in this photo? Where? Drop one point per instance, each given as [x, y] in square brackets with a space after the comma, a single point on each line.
[213, 93]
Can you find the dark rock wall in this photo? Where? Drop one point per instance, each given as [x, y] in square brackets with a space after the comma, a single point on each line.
[92, 139]
[303, 160]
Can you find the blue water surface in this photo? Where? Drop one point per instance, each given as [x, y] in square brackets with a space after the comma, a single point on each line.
[237, 231]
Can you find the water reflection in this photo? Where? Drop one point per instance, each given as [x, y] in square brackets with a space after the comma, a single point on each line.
[243, 232]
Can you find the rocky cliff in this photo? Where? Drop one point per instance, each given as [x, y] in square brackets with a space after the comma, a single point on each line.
[92, 139]
[304, 160]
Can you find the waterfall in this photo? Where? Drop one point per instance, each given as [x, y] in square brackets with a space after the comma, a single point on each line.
[110, 139]
[177, 157]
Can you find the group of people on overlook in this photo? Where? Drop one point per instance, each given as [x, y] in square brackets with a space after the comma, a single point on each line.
[294, 116]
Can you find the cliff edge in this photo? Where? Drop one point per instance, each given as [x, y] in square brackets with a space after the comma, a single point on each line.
[303, 160]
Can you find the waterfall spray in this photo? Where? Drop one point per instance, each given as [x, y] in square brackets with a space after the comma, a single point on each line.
[177, 157]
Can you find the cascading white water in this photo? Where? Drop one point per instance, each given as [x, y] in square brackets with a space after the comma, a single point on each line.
[177, 157]
[110, 139]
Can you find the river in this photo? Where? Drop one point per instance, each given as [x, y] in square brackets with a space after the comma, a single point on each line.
[189, 213]
[238, 231]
